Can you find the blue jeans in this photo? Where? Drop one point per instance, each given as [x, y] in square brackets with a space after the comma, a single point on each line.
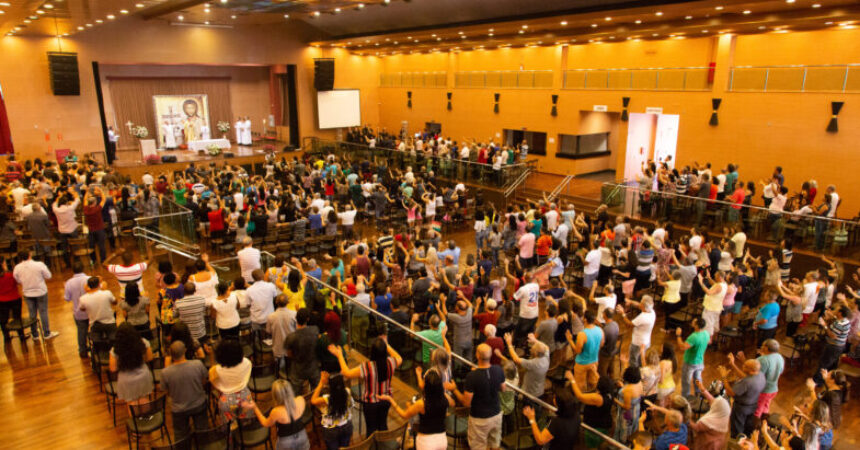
[97, 240]
[83, 326]
[688, 371]
[338, 437]
[298, 441]
[38, 305]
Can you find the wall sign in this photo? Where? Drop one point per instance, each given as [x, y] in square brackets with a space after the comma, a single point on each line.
[654, 110]
[600, 108]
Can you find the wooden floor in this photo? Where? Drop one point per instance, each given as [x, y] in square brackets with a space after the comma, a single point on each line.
[51, 399]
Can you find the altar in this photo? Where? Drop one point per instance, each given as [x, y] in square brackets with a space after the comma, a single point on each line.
[203, 144]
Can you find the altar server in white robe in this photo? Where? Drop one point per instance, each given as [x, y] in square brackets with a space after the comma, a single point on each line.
[178, 138]
[167, 131]
[237, 127]
[246, 136]
[205, 133]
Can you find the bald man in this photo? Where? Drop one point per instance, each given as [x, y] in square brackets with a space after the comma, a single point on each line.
[481, 395]
[745, 392]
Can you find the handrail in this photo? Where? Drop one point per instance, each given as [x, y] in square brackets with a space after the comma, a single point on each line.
[518, 182]
[408, 331]
[180, 247]
[560, 187]
[722, 202]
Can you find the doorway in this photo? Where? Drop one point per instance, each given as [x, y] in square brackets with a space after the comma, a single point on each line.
[650, 137]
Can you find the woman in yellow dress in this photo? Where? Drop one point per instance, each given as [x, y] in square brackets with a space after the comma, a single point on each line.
[294, 288]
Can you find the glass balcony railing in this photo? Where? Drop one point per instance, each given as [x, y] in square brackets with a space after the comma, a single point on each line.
[443, 167]
[355, 320]
[822, 234]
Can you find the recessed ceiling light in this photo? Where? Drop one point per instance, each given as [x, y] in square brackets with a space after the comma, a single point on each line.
[139, 5]
[48, 6]
[207, 10]
[387, 39]
[33, 17]
[416, 41]
[655, 34]
[688, 17]
[718, 8]
[704, 31]
[111, 17]
[594, 25]
[607, 18]
[789, 1]
[658, 13]
[360, 5]
[491, 30]
[27, 20]
[2, 12]
[337, 10]
[433, 35]
[395, 42]
[80, 28]
[828, 23]
[638, 22]
[611, 37]
[762, 27]
[563, 23]
[89, 25]
[463, 37]
[39, 11]
[181, 18]
[816, 5]
[286, 16]
[5, 4]
[387, 1]
[521, 31]
[376, 44]
[123, 11]
[100, 21]
[746, 11]
[233, 17]
[206, 22]
[316, 13]
[459, 32]
[439, 39]
[224, 2]
[525, 26]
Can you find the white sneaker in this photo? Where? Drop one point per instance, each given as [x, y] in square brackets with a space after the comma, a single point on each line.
[52, 335]
[267, 341]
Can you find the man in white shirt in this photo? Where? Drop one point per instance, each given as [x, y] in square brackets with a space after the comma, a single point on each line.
[551, 217]
[527, 296]
[642, 326]
[147, 179]
[347, 219]
[260, 297]
[18, 194]
[592, 266]
[31, 275]
[740, 240]
[695, 240]
[65, 209]
[98, 304]
[811, 285]
[775, 210]
[834, 200]
[607, 301]
[249, 259]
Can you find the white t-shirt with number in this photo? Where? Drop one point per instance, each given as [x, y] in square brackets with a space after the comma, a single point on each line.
[527, 295]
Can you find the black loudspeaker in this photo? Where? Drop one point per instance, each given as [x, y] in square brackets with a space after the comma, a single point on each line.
[323, 74]
[64, 73]
[168, 159]
[229, 155]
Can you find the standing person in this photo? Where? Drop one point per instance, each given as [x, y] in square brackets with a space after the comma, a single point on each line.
[279, 325]
[73, 289]
[94, 220]
[184, 382]
[98, 304]
[300, 346]
[336, 410]
[65, 209]
[597, 412]
[587, 345]
[226, 307]
[431, 409]
[767, 316]
[31, 275]
[694, 355]
[249, 259]
[836, 325]
[642, 325]
[376, 375]
[113, 138]
[481, 394]
[191, 310]
[10, 307]
[713, 302]
[772, 366]
[461, 324]
[712, 428]
[534, 368]
[527, 296]
[260, 298]
[128, 359]
[229, 376]
[745, 392]
[562, 433]
[610, 344]
[286, 417]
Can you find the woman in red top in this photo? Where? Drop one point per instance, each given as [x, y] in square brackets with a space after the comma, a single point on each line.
[216, 220]
[10, 300]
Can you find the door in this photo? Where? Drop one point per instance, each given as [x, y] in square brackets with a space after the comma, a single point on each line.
[666, 140]
[640, 137]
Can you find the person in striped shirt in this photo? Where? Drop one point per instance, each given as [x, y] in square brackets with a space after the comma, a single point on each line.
[836, 324]
[191, 309]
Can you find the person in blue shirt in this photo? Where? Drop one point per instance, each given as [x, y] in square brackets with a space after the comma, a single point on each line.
[452, 250]
[766, 318]
[382, 302]
[674, 432]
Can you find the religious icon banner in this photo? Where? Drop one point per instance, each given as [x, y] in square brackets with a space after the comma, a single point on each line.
[181, 119]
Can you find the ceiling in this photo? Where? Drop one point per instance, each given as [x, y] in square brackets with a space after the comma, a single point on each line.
[399, 26]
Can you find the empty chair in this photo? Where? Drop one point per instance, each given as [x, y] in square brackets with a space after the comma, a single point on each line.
[146, 418]
[216, 438]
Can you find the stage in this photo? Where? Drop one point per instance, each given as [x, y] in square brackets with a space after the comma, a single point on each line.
[242, 155]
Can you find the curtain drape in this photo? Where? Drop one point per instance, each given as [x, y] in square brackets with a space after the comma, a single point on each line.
[5, 133]
[132, 101]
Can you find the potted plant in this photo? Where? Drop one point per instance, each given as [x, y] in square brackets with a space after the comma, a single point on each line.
[213, 150]
[140, 132]
[152, 159]
[224, 128]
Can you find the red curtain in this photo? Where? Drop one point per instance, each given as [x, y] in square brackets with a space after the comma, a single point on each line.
[5, 134]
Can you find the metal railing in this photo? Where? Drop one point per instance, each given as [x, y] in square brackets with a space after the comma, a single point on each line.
[510, 79]
[795, 78]
[649, 79]
[173, 220]
[230, 265]
[758, 222]
[451, 169]
[512, 187]
[564, 184]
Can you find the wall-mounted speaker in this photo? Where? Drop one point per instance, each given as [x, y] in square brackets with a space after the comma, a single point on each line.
[554, 111]
[63, 68]
[449, 100]
[496, 104]
[323, 74]
[409, 99]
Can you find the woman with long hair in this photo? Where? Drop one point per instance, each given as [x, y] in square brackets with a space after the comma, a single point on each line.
[128, 359]
[376, 374]
[431, 410]
[563, 429]
[181, 332]
[136, 309]
[335, 407]
[286, 417]
[668, 366]
[628, 404]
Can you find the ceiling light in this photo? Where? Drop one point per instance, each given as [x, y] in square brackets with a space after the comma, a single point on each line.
[704, 31]
[316, 13]
[611, 37]
[521, 31]
[718, 8]
[139, 5]
[39, 11]
[224, 2]
[828, 23]
[638, 22]
[594, 25]
[789, 1]
[33, 17]
[207, 10]
[563, 23]
[181, 18]
[360, 5]
[111, 17]
[658, 13]
[376, 44]
[286, 16]
[762, 27]
[27, 20]
[48, 6]
[2, 12]
[387, 1]
[433, 35]
[233, 17]
[816, 5]
[607, 18]
[387, 39]
[337, 10]
[655, 35]
[416, 41]
[5, 4]
[206, 22]
[123, 11]
[100, 21]
[463, 37]
[525, 26]
[395, 42]
[89, 25]
[746, 11]
[688, 17]
[459, 32]
[80, 28]
[491, 35]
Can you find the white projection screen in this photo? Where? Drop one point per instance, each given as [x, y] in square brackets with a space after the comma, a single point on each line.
[339, 108]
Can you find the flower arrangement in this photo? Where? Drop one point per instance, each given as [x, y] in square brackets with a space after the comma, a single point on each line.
[152, 159]
[140, 132]
[213, 150]
[223, 126]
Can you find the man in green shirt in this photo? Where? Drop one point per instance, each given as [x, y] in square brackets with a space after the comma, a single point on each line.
[436, 334]
[694, 355]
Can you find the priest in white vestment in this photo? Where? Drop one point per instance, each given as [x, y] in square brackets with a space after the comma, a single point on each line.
[237, 127]
[246, 132]
[205, 133]
[169, 138]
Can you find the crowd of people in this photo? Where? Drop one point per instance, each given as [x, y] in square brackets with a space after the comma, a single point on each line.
[545, 299]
